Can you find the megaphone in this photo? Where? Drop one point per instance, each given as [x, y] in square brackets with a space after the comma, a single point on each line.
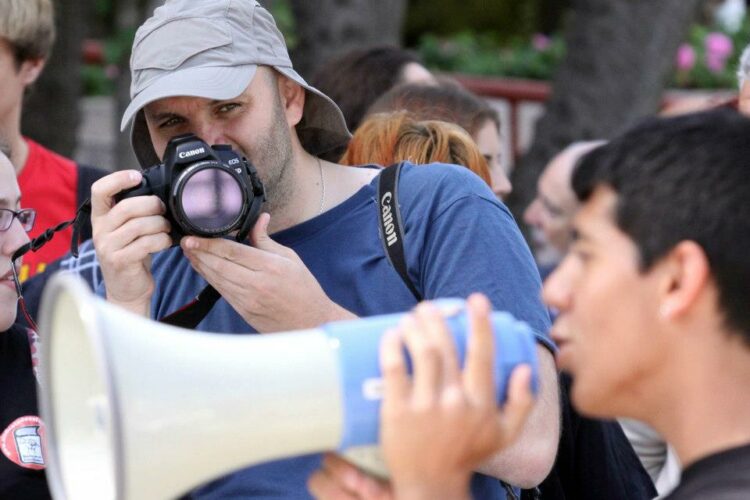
[136, 409]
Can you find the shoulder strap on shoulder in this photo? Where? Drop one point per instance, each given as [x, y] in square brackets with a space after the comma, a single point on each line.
[391, 230]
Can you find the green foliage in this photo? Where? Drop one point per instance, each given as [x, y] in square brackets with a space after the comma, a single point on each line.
[701, 61]
[708, 59]
[99, 79]
[505, 18]
[284, 16]
[95, 80]
[480, 54]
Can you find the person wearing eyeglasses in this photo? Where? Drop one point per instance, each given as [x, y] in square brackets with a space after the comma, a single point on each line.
[21, 430]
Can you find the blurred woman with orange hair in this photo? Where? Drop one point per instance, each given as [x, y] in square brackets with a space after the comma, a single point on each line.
[388, 138]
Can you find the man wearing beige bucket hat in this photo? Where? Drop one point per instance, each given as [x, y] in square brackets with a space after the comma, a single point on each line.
[219, 69]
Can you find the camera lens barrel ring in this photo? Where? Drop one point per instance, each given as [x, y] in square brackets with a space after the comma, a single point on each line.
[223, 205]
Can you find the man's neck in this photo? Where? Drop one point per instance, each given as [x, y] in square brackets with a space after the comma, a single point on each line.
[316, 187]
[298, 196]
[710, 410]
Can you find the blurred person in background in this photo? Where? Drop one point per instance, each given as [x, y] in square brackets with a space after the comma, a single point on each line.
[355, 79]
[389, 138]
[550, 214]
[448, 101]
[53, 184]
[22, 460]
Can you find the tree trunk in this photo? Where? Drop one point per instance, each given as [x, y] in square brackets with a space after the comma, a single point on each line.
[326, 28]
[51, 113]
[128, 13]
[619, 55]
[550, 15]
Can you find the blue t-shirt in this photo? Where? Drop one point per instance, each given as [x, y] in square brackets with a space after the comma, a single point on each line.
[459, 239]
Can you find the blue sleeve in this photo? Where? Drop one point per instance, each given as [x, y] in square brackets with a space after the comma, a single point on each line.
[471, 243]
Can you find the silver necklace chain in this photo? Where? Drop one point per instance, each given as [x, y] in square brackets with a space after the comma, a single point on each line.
[322, 187]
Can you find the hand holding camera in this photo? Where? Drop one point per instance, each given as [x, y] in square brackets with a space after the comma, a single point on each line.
[207, 191]
[197, 190]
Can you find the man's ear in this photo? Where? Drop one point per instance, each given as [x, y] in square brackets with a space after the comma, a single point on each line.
[292, 98]
[686, 275]
[31, 69]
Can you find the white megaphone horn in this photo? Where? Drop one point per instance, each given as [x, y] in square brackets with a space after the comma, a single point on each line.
[138, 410]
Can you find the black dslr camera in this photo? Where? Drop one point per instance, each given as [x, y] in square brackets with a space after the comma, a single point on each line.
[209, 191]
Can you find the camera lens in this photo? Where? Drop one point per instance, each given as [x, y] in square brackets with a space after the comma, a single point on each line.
[211, 200]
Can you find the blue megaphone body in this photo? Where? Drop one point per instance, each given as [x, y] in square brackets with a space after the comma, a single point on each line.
[357, 343]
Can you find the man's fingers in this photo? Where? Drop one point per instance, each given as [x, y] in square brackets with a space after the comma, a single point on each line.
[396, 382]
[271, 257]
[211, 266]
[479, 377]
[144, 245]
[519, 403]
[104, 190]
[432, 323]
[220, 248]
[325, 487]
[133, 229]
[260, 239]
[340, 480]
[348, 475]
[426, 360]
[132, 209]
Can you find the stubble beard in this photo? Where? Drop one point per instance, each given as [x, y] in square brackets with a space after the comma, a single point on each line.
[275, 157]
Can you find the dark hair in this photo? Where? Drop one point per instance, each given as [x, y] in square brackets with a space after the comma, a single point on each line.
[447, 101]
[355, 79]
[684, 178]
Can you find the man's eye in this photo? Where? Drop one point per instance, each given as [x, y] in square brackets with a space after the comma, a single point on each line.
[224, 108]
[170, 122]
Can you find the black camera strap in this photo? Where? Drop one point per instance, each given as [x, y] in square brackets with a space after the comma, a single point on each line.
[192, 313]
[83, 211]
[391, 228]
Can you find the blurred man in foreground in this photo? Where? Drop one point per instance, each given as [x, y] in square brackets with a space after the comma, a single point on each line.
[550, 216]
[652, 297]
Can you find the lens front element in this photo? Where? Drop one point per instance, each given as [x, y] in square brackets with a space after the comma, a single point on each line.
[209, 199]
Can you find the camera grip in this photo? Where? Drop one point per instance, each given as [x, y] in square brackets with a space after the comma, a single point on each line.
[143, 189]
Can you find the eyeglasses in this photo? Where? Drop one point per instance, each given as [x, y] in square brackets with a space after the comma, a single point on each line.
[26, 217]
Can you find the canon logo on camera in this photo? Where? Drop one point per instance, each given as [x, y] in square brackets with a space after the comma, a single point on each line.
[187, 154]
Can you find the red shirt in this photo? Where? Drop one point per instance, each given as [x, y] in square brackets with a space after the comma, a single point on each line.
[48, 184]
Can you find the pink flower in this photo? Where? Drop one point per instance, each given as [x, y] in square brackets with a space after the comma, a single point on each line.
[111, 71]
[715, 64]
[718, 44]
[540, 42]
[685, 57]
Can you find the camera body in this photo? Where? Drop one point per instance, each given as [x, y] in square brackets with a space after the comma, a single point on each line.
[209, 191]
